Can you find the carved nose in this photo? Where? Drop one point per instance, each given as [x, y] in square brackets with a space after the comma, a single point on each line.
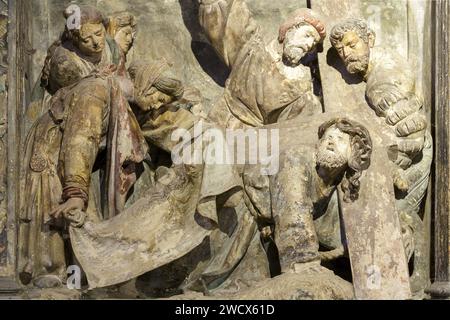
[346, 52]
[330, 145]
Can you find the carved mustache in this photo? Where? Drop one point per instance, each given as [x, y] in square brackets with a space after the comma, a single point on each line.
[352, 59]
[302, 47]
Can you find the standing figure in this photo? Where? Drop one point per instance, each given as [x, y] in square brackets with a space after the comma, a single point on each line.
[267, 82]
[60, 155]
[176, 213]
[80, 50]
[391, 92]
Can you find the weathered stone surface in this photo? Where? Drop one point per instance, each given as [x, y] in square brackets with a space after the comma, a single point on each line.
[52, 294]
[166, 29]
[378, 73]
[311, 282]
[170, 29]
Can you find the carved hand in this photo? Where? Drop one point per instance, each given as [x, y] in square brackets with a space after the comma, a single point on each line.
[400, 182]
[76, 218]
[413, 123]
[68, 206]
[406, 117]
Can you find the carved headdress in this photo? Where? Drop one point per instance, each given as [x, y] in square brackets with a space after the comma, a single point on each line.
[121, 20]
[299, 17]
[146, 75]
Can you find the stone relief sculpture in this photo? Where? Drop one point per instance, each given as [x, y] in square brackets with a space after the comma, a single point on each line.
[47, 178]
[97, 121]
[268, 82]
[391, 92]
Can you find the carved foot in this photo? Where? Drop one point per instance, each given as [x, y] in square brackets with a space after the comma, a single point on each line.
[439, 290]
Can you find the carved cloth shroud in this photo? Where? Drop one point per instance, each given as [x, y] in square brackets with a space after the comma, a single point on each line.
[170, 221]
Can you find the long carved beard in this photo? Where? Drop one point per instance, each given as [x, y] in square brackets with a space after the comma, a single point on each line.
[357, 66]
[330, 160]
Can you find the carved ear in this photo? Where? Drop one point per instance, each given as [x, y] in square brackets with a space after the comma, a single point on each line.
[371, 38]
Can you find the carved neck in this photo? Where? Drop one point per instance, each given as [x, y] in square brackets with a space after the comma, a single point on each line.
[94, 59]
[328, 177]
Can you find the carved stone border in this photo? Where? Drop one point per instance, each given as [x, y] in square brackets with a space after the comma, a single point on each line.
[441, 286]
[17, 33]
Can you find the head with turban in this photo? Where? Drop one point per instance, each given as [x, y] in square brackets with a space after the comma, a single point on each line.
[300, 34]
[154, 86]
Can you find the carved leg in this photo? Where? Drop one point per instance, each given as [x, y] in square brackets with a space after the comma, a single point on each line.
[295, 234]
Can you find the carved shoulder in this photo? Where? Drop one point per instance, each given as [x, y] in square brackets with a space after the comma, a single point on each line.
[65, 69]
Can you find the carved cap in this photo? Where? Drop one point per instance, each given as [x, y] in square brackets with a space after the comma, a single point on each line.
[147, 74]
[301, 16]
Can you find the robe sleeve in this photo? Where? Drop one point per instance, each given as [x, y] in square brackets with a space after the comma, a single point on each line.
[228, 25]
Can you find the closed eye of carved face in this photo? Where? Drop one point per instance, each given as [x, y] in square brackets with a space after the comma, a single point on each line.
[153, 99]
[91, 40]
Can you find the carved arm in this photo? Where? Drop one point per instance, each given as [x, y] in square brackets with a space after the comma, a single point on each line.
[228, 25]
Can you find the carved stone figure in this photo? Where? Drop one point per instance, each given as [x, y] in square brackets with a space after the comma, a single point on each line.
[99, 126]
[391, 92]
[267, 83]
[77, 53]
[60, 155]
[289, 201]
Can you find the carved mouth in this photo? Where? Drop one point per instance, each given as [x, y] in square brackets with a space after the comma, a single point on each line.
[352, 60]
